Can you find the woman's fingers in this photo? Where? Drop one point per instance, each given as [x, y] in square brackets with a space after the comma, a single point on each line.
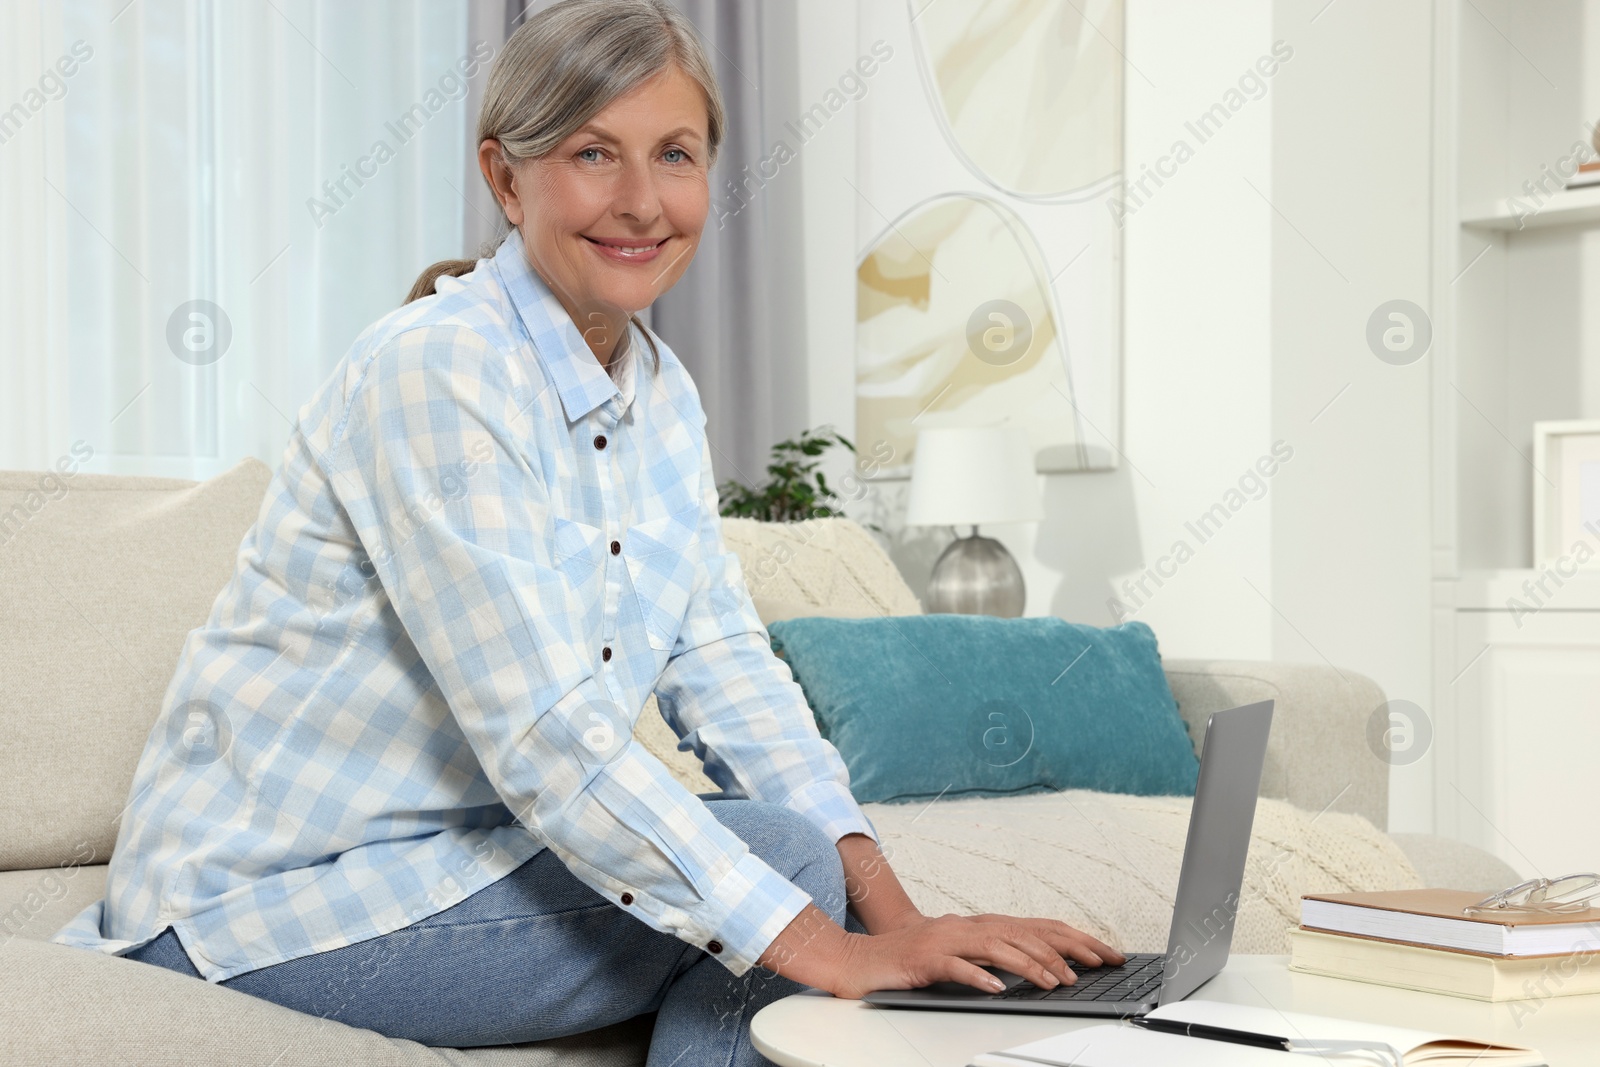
[1080, 946]
[1001, 953]
[1053, 959]
[966, 972]
[1013, 947]
[1065, 939]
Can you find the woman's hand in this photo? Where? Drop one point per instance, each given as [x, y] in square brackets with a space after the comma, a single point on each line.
[908, 950]
[1067, 940]
[905, 949]
[955, 948]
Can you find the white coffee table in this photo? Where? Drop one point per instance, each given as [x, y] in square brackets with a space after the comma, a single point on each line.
[814, 1029]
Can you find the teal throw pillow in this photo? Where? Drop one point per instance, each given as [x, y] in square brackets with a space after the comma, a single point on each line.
[923, 706]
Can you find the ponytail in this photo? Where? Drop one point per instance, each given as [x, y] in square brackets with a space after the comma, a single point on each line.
[423, 286]
[655, 353]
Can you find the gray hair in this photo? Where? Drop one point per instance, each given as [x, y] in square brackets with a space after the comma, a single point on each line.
[565, 65]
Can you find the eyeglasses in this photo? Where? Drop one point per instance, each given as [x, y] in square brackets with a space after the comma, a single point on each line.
[1569, 893]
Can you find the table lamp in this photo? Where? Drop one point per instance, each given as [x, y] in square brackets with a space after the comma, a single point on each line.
[967, 476]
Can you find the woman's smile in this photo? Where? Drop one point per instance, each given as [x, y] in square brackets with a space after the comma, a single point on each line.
[627, 249]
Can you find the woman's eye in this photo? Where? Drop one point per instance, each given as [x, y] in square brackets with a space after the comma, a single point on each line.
[590, 155]
[678, 152]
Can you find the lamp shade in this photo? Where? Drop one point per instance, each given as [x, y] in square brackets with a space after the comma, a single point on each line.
[967, 476]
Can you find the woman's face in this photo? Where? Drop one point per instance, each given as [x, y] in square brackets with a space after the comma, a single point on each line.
[611, 218]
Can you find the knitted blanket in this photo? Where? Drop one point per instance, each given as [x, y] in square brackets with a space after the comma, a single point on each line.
[1103, 862]
[1108, 864]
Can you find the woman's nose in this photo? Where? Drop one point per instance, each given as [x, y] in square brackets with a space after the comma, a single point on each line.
[637, 196]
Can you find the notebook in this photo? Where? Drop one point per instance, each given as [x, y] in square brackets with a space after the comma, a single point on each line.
[1451, 971]
[1317, 1037]
[1435, 917]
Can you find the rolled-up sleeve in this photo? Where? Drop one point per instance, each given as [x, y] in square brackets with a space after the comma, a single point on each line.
[727, 695]
[434, 467]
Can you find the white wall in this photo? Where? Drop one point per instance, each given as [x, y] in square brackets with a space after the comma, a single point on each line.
[827, 167]
[1351, 555]
[1249, 277]
[1196, 360]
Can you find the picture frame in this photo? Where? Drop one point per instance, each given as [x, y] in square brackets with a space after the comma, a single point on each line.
[989, 222]
[1566, 493]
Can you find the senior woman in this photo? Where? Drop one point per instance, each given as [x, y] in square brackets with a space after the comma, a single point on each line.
[393, 782]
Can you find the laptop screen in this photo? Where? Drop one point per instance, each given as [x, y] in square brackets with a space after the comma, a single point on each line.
[1232, 755]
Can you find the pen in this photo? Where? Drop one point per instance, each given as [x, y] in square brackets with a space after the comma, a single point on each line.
[1212, 1033]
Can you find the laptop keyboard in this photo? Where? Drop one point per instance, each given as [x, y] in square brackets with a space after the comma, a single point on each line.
[1136, 980]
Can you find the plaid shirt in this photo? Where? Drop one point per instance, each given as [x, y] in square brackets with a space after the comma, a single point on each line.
[479, 557]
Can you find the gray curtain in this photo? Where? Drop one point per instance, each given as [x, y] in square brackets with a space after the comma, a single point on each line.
[737, 317]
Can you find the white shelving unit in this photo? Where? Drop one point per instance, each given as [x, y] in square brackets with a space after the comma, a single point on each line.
[1516, 307]
[1567, 208]
[1518, 591]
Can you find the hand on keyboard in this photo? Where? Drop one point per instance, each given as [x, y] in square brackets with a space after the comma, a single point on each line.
[1067, 941]
[957, 947]
[1136, 979]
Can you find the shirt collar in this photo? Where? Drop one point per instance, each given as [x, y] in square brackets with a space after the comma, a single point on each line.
[579, 379]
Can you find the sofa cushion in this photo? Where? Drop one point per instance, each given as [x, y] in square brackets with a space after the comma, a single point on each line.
[134, 1007]
[831, 565]
[952, 705]
[1448, 864]
[35, 904]
[1317, 757]
[772, 610]
[104, 578]
[66, 1006]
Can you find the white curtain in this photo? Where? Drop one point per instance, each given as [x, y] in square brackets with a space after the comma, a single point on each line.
[199, 218]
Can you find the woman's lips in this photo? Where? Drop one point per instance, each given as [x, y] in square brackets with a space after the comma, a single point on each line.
[626, 249]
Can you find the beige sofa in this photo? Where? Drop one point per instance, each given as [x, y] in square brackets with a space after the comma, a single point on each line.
[102, 577]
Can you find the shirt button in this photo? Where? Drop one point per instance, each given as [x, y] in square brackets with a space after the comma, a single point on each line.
[627, 898]
[616, 548]
[714, 946]
[605, 653]
[600, 441]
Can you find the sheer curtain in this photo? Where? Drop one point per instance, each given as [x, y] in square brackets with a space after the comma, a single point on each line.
[200, 218]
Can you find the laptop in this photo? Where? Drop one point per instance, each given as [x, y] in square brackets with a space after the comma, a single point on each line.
[1232, 754]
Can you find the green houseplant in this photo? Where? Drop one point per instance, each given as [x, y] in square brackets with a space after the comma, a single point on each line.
[796, 489]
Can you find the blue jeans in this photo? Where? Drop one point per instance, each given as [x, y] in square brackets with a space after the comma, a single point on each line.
[539, 955]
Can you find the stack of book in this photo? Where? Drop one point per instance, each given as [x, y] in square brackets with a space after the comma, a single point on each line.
[1588, 174]
[1424, 939]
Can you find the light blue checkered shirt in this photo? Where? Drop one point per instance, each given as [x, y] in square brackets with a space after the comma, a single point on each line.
[403, 693]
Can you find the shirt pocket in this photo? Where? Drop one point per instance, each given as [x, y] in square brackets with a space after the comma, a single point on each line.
[575, 548]
[661, 564]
